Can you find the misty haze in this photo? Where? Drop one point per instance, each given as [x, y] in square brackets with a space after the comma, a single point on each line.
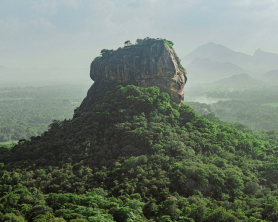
[138, 110]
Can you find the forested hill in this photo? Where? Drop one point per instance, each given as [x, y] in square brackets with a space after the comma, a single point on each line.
[137, 156]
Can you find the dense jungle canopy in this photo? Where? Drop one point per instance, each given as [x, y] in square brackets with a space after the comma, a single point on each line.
[137, 156]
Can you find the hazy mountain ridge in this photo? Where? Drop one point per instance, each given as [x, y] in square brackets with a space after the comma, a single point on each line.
[241, 79]
[270, 76]
[204, 70]
[218, 55]
[267, 58]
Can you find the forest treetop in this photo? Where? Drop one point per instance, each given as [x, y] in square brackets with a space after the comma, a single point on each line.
[137, 155]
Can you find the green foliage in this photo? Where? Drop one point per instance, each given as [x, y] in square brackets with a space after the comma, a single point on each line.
[253, 107]
[106, 52]
[128, 43]
[169, 43]
[146, 40]
[181, 68]
[48, 218]
[27, 112]
[137, 156]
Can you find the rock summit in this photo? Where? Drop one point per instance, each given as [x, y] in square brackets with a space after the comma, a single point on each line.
[149, 62]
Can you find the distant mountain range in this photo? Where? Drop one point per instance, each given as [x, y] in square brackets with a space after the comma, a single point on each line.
[241, 79]
[266, 60]
[271, 76]
[204, 70]
[214, 61]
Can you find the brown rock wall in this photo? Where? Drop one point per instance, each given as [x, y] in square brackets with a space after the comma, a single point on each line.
[151, 64]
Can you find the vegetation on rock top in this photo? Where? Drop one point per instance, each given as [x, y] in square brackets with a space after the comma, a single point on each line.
[106, 53]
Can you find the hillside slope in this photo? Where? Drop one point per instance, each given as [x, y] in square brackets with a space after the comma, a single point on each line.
[206, 70]
[271, 76]
[137, 156]
[260, 62]
[241, 79]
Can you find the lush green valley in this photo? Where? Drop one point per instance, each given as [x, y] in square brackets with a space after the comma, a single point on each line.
[137, 156]
[28, 111]
[255, 107]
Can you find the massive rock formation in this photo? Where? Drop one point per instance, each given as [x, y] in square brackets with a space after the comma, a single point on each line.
[150, 63]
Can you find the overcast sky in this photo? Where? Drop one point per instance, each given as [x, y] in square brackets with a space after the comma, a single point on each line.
[70, 33]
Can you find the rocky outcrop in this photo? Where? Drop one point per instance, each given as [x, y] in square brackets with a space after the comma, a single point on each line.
[153, 63]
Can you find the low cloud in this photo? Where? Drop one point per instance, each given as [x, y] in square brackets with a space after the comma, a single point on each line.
[45, 7]
[76, 30]
[50, 7]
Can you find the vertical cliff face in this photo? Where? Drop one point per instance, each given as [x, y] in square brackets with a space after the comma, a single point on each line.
[153, 63]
